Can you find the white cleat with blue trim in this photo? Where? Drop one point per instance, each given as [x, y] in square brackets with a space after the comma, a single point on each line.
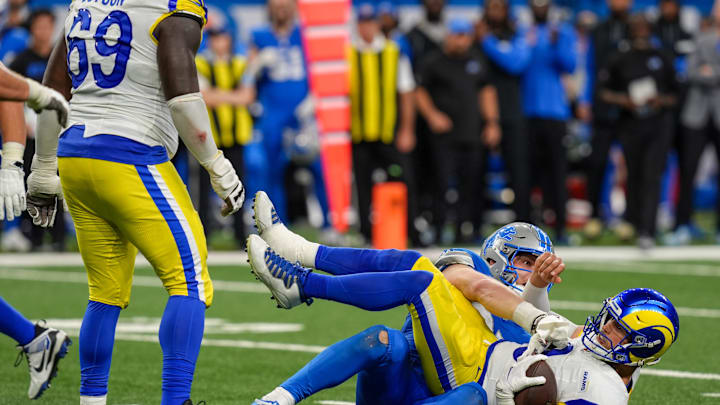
[43, 354]
[282, 278]
[288, 244]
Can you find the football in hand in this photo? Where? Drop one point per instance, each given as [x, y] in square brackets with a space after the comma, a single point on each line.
[545, 394]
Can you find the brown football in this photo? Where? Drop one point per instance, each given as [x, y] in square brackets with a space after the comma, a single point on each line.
[545, 394]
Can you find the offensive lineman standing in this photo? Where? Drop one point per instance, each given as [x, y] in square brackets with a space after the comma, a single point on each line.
[130, 70]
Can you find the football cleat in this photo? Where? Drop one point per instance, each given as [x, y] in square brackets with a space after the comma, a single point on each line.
[43, 354]
[283, 278]
[288, 244]
[189, 402]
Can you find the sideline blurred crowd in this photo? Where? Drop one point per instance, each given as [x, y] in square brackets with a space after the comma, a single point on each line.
[566, 122]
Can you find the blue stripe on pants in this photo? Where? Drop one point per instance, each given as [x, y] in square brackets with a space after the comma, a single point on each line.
[432, 344]
[176, 228]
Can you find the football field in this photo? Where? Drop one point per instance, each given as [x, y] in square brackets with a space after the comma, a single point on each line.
[250, 346]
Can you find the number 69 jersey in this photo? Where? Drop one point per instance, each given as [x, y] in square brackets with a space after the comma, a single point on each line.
[581, 378]
[112, 62]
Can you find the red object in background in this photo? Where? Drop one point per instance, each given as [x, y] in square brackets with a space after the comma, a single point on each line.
[337, 166]
[330, 80]
[389, 215]
[333, 116]
[326, 37]
[326, 44]
[324, 12]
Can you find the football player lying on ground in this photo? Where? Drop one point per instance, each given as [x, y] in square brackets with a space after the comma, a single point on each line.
[455, 346]
[390, 373]
[43, 347]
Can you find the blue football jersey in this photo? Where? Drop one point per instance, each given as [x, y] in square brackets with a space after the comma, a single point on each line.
[283, 84]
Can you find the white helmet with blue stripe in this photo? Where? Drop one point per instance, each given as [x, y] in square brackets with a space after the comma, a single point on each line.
[500, 249]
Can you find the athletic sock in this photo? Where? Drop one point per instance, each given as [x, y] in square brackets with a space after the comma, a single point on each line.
[97, 336]
[340, 261]
[85, 400]
[281, 396]
[369, 291]
[181, 332]
[338, 363]
[15, 325]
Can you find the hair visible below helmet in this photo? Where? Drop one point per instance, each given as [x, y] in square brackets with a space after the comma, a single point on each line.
[500, 248]
[650, 322]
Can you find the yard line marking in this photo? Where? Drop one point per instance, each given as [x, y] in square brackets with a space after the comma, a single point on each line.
[680, 374]
[77, 277]
[150, 325]
[241, 344]
[295, 347]
[671, 269]
[594, 307]
[711, 394]
[603, 254]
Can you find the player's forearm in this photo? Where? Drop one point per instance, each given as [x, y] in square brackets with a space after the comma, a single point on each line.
[489, 104]
[538, 296]
[424, 103]
[407, 111]
[477, 287]
[12, 122]
[14, 87]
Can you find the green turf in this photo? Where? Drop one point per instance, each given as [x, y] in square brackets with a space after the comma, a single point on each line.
[236, 376]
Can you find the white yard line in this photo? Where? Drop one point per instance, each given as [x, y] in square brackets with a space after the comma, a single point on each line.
[294, 347]
[76, 277]
[594, 307]
[613, 254]
[710, 394]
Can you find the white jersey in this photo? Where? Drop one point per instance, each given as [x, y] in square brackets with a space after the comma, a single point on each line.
[112, 62]
[581, 378]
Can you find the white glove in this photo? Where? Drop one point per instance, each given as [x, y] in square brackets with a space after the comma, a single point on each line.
[44, 193]
[517, 380]
[12, 181]
[226, 184]
[551, 330]
[41, 98]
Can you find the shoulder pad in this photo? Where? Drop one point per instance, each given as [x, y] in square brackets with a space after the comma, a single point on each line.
[453, 256]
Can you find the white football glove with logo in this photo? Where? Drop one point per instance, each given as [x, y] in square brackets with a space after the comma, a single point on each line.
[12, 181]
[226, 183]
[42, 98]
[551, 330]
[44, 193]
[517, 380]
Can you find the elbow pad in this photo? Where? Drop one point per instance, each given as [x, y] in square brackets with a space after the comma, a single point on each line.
[190, 117]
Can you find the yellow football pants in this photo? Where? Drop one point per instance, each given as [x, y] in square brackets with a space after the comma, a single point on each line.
[119, 209]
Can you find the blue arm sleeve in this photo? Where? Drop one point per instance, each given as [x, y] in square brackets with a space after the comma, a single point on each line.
[565, 50]
[513, 58]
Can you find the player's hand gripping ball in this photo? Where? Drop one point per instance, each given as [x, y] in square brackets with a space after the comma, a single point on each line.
[529, 382]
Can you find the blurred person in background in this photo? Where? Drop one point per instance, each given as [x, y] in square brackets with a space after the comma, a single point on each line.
[552, 55]
[701, 118]
[453, 86]
[641, 81]
[508, 55]
[424, 38]
[32, 63]
[383, 122]
[605, 40]
[389, 20]
[220, 71]
[275, 82]
[14, 36]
